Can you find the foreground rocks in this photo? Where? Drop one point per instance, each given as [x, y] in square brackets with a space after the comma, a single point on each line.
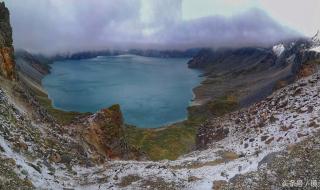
[236, 145]
[297, 167]
[272, 144]
[104, 131]
[290, 110]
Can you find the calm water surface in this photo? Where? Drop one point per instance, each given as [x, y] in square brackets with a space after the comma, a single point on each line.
[151, 91]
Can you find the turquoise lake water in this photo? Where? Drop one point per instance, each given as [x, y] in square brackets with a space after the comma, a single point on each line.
[152, 92]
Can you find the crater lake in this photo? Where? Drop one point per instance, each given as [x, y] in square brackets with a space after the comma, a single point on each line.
[152, 92]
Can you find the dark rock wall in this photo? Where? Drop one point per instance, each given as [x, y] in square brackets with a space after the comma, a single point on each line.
[7, 63]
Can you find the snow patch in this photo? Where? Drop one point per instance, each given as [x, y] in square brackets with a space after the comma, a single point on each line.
[286, 117]
[278, 49]
[316, 49]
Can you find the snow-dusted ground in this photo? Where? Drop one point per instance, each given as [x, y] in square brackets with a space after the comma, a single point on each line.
[278, 49]
[286, 117]
[316, 49]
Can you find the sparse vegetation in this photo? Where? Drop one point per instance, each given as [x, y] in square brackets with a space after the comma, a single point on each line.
[63, 117]
[223, 105]
[9, 179]
[228, 156]
[177, 139]
[128, 180]
[196, 165]
[163, 143]
[159, 184]
[217, 107]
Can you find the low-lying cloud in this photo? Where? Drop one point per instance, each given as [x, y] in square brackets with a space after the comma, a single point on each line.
[253, 27]
[52, 26]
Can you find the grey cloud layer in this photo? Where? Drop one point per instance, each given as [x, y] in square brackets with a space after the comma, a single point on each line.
[56, 26]
[253, 27]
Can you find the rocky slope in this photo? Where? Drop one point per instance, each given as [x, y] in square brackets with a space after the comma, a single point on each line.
[32, 66]
[233, 145]
[249, 74]
[39, 153]
[264, 146]
[104, 131]
[7, 64]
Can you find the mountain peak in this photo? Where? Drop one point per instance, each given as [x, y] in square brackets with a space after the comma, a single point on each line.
[278, 49]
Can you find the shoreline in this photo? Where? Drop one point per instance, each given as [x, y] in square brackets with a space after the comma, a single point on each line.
[193, 102]
[182, 133]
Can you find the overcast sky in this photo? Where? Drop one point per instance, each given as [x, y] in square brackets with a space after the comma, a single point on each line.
[51, 26]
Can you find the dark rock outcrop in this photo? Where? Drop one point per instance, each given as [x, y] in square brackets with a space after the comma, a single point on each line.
[104, 133]
[7, 63]
[208, 135]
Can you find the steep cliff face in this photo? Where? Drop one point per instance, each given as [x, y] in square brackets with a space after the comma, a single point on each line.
[104, 133]
[7, 63]
[31, 66]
